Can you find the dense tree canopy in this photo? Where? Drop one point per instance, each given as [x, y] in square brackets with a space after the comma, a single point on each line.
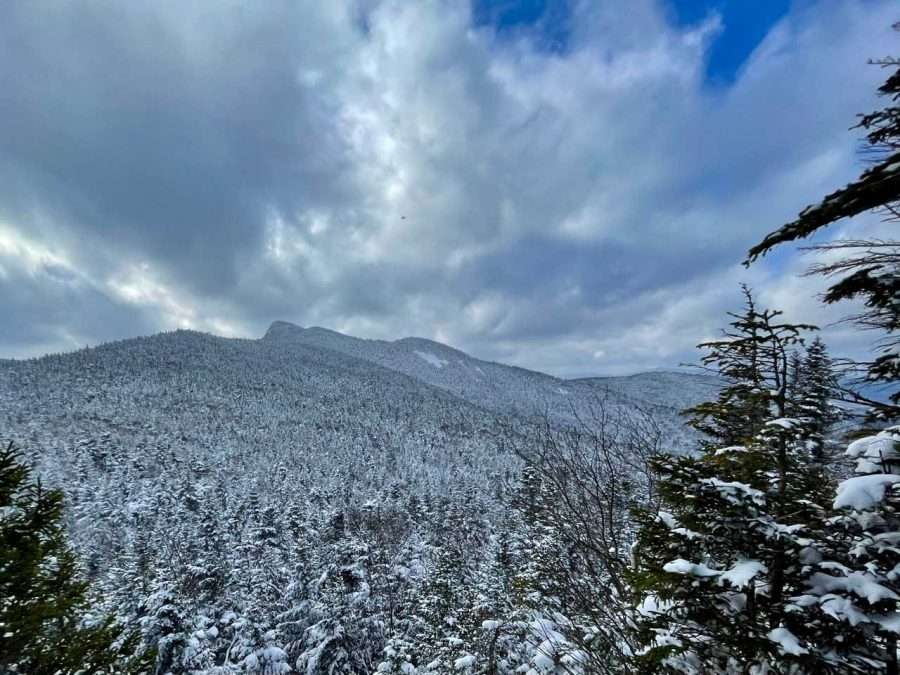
[45, 623]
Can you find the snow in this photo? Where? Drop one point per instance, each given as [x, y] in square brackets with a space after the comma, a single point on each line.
[864, 492]
[837, 607]
[738, 576]
[731, 449]
[464, 662]
[543, 662]
[732, 488]
[651, 604]
[872, 452]
[861, 584]
[787, 641]
[743, 573]
[687, 533]
[553, 649]
[889, 622]
[433, 359]
[682, 566]
[783, 422]
[667, 519]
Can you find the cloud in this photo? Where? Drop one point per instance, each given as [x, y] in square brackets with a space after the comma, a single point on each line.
[393, 168]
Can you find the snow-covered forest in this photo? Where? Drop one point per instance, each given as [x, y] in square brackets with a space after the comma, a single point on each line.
[311, 502]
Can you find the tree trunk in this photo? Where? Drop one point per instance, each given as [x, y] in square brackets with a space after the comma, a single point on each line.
[891, 656]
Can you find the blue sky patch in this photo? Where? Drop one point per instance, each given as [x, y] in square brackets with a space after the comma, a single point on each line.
[745, 24]
[548, 22]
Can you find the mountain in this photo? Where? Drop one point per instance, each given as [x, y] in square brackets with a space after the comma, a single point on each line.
[498, 387]
[336, 401]
[238, 500]
[671, 389]
[490, 385]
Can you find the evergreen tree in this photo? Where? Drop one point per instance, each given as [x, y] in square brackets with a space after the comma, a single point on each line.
[538, 584]
[740, 357]
[717, 569]
[399, 658]
[815, 390]
[45, 626]
[856, 586]
[165, 627]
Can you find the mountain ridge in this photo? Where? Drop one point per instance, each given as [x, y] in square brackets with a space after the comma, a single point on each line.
[490, 385]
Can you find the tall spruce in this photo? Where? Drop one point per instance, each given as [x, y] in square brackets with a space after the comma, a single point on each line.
[717, 567]
[816, 389]
[45, 624]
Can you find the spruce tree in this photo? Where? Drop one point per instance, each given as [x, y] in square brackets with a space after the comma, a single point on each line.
[716, 569]
[742, 406]
[856, 586]
[45, 626]
[814, 394]
[538, 584]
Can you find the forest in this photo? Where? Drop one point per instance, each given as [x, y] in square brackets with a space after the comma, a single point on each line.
[187, 504]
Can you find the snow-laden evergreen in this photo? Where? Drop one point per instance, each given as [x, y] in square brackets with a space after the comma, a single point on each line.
[742, 522]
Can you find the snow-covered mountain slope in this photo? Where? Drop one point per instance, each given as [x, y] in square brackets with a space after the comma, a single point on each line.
[303, 388]
[206, 393]
[671, 389]
[490, 385]
[499, 387]
[308, 406]
[411, 411]
[141, 422]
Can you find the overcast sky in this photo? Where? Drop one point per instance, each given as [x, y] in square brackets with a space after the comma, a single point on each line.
[564, 186]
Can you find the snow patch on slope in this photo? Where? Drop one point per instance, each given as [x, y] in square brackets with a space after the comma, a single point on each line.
[434, 360]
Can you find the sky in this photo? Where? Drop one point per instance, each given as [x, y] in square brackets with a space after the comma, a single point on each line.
[564, 185]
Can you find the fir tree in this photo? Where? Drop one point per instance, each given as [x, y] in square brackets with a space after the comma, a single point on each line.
[717, 567]
[856, 585]
[44, 621]
[814, 393]
[165, 627]
[740, 357]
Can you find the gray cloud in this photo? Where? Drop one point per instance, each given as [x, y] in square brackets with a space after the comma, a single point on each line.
[164, 133]
[387, 169]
